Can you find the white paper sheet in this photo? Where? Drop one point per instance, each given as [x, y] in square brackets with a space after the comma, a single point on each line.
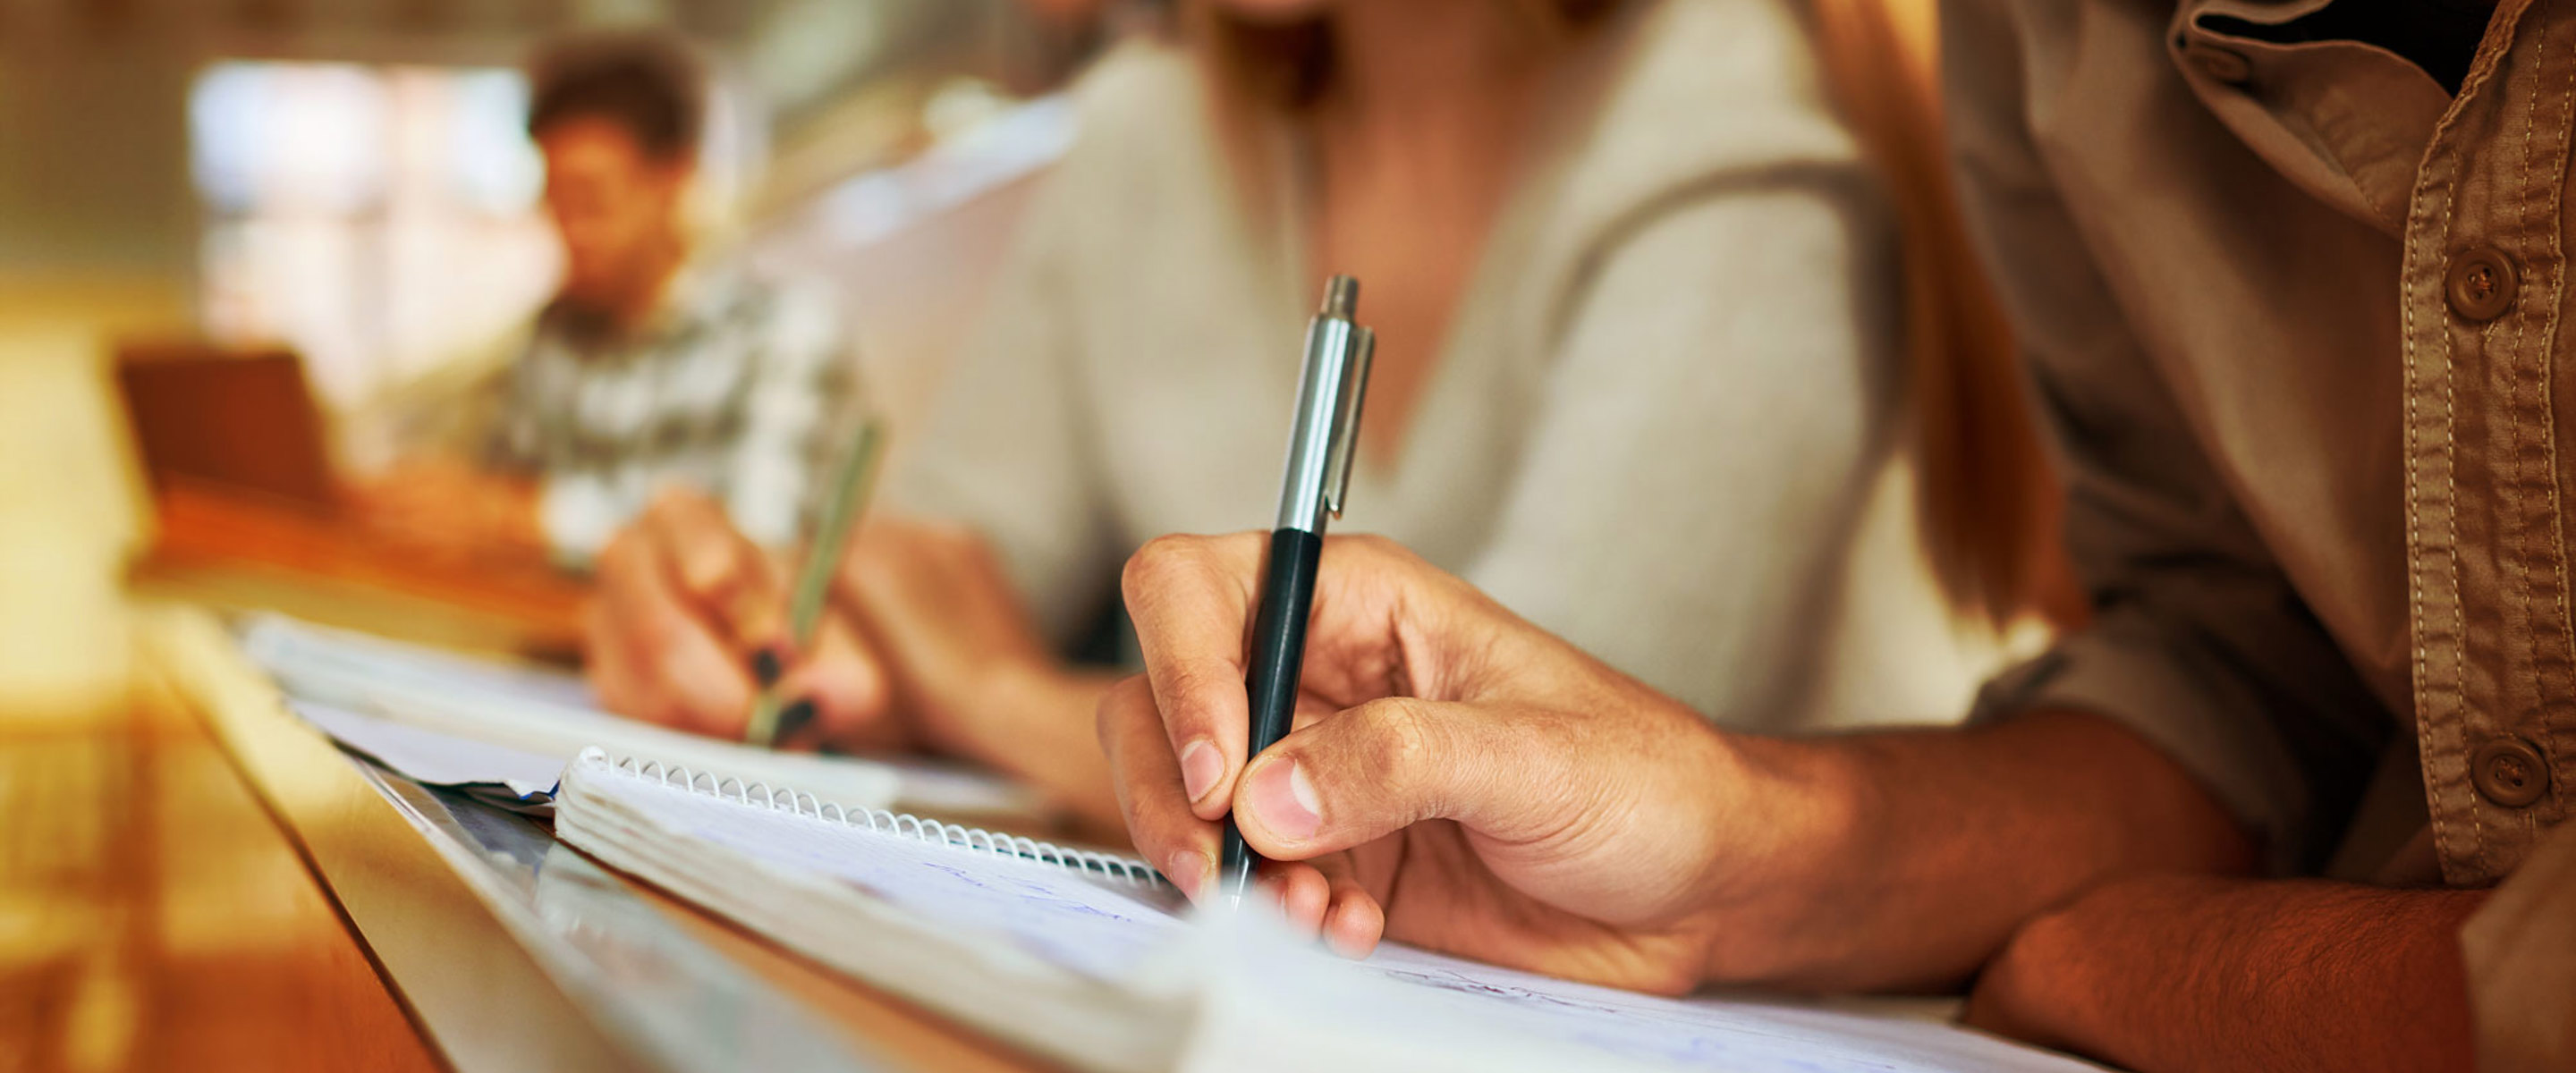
[437, 759]
[538, 711]
[1259, 1001]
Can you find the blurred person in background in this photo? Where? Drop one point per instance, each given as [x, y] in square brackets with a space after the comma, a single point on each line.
[652, 368]
[1638, 375]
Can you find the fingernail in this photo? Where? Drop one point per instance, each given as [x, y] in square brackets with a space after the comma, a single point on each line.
[793, 718]
[1187, 870]
[1285, 799]
[1200, 768]
[766, 667]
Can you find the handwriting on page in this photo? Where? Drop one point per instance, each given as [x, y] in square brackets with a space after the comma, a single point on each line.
[1736, 1035]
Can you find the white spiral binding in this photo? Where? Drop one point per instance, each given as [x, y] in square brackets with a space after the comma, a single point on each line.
[902, 824]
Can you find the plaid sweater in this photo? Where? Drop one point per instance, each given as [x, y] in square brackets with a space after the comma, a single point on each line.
[736, 387]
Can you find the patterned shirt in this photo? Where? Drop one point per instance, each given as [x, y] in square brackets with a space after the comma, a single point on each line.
[736, 387]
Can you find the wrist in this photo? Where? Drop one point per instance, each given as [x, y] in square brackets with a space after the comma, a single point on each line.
[1787, 836]
[981, 714]
[1036, 722]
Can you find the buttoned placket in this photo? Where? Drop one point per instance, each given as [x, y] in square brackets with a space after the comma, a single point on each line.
[2494, 663]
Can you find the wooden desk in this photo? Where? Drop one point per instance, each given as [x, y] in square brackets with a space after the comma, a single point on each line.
[199, 881]
[227, 550]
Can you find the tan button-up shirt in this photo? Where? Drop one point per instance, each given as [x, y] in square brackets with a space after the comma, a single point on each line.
[2294, 312]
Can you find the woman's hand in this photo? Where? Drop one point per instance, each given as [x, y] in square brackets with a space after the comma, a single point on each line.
[685, 608]
[1458, 779]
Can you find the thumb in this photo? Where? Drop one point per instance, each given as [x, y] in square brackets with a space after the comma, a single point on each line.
[1388, 764]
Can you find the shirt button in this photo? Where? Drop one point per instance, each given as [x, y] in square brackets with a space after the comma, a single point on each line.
[2221, 65]
[2481, 284]
[2509, 772]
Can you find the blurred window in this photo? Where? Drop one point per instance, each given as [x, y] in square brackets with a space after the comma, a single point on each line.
[377, 219]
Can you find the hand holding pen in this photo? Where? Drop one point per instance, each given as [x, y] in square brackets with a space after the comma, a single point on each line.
[1321, 444]
[691, 626]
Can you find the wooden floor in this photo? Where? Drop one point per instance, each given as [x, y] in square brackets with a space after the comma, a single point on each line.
[153, 916]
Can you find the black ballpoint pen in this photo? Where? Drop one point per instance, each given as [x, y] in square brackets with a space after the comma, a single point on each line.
[1320, 448]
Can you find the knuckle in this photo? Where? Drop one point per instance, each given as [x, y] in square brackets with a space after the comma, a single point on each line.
[1396, 730]
[1375, 544]
[1153, 564]
[710, 567]
[1187, 685]
[1377, 550]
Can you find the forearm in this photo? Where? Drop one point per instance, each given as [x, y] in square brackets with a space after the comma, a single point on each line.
[2196, 973]
[1931, 847]
[1037, 724]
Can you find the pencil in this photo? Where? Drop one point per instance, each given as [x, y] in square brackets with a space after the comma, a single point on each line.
[814, 581]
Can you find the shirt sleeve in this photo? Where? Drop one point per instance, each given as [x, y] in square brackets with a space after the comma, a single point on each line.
[799, 414]
[1010, 449]
[2199, 642]
[2520, 950]
[1709, 427]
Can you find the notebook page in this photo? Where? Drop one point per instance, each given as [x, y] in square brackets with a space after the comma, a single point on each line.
[1050, 913]
[1738, 1034]
[287, 647]
[552, 713]
[436, 759]
[1033, 953]
[1257, 998]
[1274, 1004]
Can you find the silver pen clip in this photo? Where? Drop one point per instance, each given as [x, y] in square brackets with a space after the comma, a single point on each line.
[1346, 424]
[1330, 385]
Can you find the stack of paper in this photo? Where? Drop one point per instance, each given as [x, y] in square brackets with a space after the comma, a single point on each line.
[506, 730]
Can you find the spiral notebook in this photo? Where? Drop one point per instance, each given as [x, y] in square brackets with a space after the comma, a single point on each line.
[1091, 959]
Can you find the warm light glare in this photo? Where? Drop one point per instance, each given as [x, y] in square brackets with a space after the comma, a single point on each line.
[378, 220]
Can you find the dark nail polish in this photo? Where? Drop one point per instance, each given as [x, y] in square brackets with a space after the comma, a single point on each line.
[793, 718]
[765, 667]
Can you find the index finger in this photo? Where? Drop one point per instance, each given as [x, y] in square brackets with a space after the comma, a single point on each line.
[1191, 600]
[1182, 845]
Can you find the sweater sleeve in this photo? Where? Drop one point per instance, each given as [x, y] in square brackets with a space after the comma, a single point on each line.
[1009, 449]
[1709, 425]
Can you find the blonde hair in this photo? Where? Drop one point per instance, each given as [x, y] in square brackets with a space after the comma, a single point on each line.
[1989, 501]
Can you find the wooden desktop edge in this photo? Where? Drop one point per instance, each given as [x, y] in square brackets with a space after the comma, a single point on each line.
[471, 988]
[474, 993]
